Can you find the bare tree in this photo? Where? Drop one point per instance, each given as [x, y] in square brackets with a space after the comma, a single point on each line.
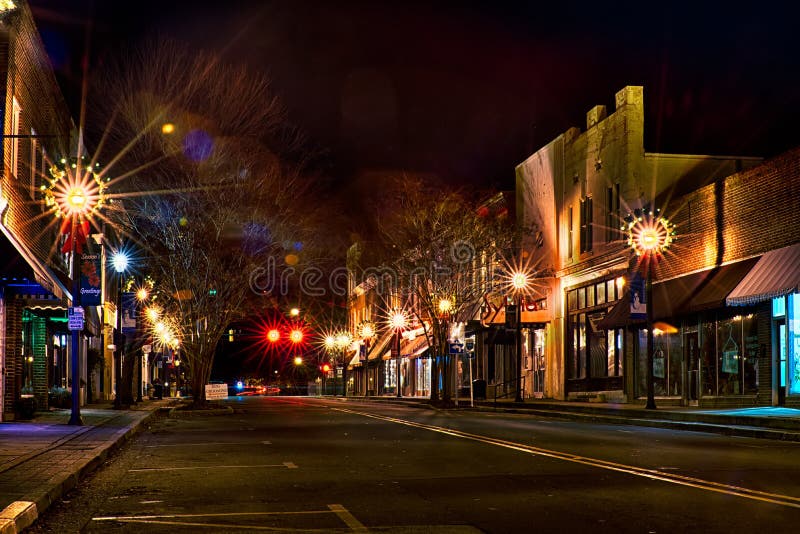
[211, 185]
[438, 242]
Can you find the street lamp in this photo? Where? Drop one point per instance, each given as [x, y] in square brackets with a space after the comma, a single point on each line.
[398, 321]
[120, 262]
[366, 331]
[75, 193]
[445, 309]
[519, 284]
[142, 294]
[649, 234]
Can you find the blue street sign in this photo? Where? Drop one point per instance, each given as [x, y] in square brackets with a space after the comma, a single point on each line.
[456, 348]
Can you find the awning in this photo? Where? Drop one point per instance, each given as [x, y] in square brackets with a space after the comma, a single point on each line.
[377, 350]
[691, 293]
[776, 274]
[356, 360]
[22, 264]
[706, 290]
[413, 348]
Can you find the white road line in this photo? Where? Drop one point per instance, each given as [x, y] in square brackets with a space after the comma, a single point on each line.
[175, 519]
[653, 474]
[288, 465]
[201, 444]
[348, 518]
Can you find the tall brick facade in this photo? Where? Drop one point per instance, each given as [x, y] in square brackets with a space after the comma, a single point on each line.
[39, 127]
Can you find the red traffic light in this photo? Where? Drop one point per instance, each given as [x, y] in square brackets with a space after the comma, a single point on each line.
[326, 368]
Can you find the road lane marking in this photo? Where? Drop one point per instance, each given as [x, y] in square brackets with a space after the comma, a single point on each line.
[348, 518]
[337, 509]
[653, 474]
[288, 465]
[205, 444]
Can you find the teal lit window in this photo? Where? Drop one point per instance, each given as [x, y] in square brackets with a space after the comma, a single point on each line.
[778, 307]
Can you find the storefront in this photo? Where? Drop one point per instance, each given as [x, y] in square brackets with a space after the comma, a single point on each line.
[594, 348]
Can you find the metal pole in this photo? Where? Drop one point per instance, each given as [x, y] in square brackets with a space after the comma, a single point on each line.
[118, 346]
[140, 357]
[651, 401]
[518, 397]
[397, 370]
[471, 393]
[75, 415]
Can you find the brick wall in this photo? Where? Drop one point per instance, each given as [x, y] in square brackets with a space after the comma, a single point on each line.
[13, 363]
[739, 216]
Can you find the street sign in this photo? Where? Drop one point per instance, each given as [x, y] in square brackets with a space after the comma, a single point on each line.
[75, 318]
[216, 391]
[456, 348]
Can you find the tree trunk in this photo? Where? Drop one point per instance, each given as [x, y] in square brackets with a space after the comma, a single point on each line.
[126, 383]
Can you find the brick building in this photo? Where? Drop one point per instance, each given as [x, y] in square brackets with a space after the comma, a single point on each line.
[34, 277]
[574, 192]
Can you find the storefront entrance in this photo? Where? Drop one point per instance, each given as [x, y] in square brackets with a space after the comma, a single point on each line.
[779, 359]
[538, 362]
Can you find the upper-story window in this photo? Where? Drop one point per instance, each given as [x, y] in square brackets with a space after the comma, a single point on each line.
[586, 225]
[613, 219]
[16, 111]
[570, 233]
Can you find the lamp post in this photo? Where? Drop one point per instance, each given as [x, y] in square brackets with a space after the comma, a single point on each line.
[367, 332]
[75, 192]
[342, 342]
[141, 297]
[120, 262]
[399, 322]
[649, 235]
[445, 309]
[519, 283]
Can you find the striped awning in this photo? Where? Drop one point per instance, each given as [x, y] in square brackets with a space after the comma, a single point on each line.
[776, 274]
[377, 349]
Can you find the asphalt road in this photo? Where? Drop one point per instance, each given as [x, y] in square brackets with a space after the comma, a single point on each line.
[303, 464]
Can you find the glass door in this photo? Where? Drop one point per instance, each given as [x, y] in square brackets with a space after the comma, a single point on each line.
[780, 358]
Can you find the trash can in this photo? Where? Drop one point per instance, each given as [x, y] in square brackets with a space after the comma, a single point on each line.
[159, 389]
[479, 389]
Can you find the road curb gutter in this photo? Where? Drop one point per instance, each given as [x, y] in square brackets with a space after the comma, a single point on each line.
[19, 515]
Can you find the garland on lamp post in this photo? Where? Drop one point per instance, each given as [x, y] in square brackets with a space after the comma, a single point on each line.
[76, 191]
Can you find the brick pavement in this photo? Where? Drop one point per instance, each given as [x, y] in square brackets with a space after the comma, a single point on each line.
[42, 459]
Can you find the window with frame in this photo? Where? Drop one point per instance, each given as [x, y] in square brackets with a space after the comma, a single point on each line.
[591, 352]
[613, 217]
[16, 112]
[570, 235]
[586, 225]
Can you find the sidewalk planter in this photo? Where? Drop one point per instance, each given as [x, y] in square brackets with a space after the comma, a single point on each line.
[26, 407]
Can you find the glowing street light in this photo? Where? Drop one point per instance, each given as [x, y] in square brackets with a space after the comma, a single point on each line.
[296, 336]
[273, 335]
[649, 235]
[298, 360]
[398, 320]
[519, 285]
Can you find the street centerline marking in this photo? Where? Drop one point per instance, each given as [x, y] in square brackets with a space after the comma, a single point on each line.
[673, 478]
[288, 465]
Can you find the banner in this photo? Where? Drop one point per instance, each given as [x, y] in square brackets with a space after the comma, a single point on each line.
[128, 321]
[638, 297]
[91, 294]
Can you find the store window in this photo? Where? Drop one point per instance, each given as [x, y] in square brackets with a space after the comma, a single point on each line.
[729, 355]
[793, 347]
[592, 351]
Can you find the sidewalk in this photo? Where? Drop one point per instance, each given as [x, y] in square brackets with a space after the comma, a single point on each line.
[762, 422]
[42, 459]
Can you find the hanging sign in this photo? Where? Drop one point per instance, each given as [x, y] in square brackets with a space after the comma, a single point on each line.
[128, 321]
[90, 279]
[638, 297]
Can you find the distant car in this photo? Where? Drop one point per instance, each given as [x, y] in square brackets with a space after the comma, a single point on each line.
[245, 391]
[272, 390]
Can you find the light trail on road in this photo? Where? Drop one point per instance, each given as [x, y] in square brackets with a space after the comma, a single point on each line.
[653, 474]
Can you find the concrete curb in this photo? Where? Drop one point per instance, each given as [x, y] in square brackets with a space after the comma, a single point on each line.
[19, 515]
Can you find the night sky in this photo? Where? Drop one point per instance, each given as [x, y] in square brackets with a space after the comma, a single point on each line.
[470, 89]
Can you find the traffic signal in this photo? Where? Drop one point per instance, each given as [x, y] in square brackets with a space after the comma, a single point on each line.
[326, 368]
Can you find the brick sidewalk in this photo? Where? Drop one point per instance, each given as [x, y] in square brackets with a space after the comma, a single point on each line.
[42, 459]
